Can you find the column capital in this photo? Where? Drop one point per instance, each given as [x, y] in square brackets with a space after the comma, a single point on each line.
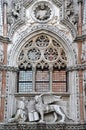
[80, 1]
[5, 2]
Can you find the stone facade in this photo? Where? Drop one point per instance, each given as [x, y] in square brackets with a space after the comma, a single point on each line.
[43, 50]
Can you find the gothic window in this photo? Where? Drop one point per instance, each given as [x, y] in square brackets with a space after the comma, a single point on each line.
[42, 62]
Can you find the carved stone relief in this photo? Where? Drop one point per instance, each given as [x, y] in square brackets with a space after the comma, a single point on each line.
[42, 11]
[42, 108]
[16, 12]
[69, 12]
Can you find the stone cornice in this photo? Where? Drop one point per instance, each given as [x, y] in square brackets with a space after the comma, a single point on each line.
[8, 68]
[77, 67]
[80, 38]
[70, 68]
[43, 126]
[32, 94]
[5, 40]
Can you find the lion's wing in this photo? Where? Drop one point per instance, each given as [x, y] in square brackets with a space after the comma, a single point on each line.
[49, 98]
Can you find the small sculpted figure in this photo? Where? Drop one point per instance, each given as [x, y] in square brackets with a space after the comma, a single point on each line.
[20, 115]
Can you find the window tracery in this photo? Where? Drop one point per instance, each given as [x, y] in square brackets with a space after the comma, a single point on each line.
[42, 48]
[33, 54]
[51, 54]
[43, 52]
[42, 41]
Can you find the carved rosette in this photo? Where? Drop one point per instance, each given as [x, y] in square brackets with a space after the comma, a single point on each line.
[42, 51]
[42, 11]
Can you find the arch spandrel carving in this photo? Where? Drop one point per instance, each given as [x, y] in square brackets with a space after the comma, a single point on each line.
[20, 17]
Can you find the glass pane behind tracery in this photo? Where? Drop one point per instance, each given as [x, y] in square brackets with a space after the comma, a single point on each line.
[59, 81]
[42, 81]
[25, 81]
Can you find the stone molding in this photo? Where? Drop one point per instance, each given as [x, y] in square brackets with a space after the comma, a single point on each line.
[32, 94]
[77, 67]
[5, 40]
[70, 68]
[42, 126]
[43, 27]
[80, 38]
[8, 68]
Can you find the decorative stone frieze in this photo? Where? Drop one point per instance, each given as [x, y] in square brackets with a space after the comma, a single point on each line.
[77, 67]
[8, 68]
[4, 39]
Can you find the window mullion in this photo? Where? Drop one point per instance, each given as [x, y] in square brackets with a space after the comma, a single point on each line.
[51, 70]
[33, 77]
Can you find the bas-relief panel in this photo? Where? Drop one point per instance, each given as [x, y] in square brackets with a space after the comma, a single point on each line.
[46, 105]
